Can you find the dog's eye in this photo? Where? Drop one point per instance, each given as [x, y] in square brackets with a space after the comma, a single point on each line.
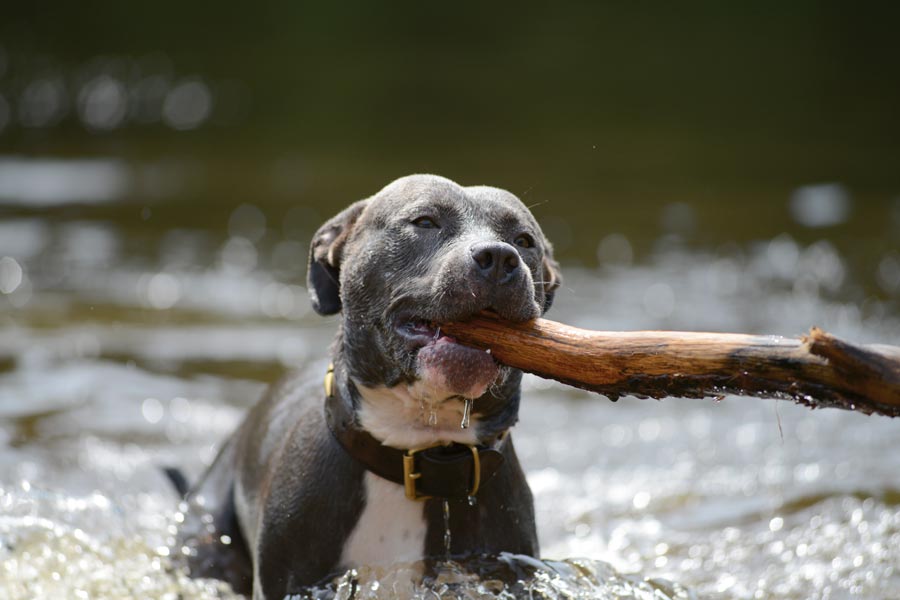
[524, 241]
[426, 223]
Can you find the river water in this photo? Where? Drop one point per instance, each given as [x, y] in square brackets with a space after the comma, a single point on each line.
[120, 354]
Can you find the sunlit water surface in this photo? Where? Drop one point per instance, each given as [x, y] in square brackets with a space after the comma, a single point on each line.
[112, 368]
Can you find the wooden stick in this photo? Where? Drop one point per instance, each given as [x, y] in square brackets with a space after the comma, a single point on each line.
[817, 370]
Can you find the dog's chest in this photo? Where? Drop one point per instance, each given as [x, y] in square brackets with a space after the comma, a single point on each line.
[390, 529]
[409, 417]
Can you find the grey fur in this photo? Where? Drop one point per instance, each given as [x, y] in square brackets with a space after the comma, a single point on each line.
[282, 488]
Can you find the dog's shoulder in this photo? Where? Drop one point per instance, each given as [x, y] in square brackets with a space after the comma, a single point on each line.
[296, 398]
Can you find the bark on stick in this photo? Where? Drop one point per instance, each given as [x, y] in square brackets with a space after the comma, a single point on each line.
[817, 370]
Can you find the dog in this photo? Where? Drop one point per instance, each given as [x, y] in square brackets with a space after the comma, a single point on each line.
[410, 427]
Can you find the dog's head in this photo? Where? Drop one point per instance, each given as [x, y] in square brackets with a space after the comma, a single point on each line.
[421, 252]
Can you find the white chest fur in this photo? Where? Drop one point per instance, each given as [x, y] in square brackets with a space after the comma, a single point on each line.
[390, 529]
[414, 417]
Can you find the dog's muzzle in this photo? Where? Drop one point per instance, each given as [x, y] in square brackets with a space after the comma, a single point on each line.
[447, 367]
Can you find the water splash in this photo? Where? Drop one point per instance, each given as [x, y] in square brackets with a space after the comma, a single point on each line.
[69, 546]
[500, 577]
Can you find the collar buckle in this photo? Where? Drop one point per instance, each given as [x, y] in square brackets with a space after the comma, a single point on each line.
[409, 474]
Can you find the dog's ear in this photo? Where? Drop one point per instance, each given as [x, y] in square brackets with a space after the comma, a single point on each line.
[551, 279]
[323, 278]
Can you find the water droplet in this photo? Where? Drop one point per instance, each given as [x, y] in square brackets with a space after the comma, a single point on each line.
[467, 413]
[472, 500]
[447, 527]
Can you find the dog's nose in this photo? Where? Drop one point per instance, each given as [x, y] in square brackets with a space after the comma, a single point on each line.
[495, 261]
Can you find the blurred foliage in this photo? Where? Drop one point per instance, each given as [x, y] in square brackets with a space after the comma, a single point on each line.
[601, 114]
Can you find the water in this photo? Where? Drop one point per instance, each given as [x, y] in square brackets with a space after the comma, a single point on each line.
[467, 413]
[117, 362]
[736, 171]
[448, 535]
[483, 578]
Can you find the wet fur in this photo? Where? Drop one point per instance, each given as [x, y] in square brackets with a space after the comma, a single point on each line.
[297, 507]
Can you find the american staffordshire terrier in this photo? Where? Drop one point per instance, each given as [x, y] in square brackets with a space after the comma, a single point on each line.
[404, 453]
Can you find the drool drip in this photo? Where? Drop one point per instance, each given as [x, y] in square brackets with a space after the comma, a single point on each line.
[429, 413]
[467, 413]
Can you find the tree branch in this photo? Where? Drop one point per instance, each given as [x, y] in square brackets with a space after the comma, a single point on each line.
[817, 370]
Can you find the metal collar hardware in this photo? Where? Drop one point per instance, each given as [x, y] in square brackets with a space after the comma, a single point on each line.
[329, 381]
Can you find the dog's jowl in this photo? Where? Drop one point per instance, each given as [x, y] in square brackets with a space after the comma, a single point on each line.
[320, 478]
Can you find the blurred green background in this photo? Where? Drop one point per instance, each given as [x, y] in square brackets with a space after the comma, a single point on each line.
[701, 123]
[715, 166]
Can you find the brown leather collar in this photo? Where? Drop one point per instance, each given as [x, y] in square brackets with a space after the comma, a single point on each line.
[454, 471]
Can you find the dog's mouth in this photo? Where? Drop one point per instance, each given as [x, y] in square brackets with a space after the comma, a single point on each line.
[443, 364]
[418, 331]
[421, 332]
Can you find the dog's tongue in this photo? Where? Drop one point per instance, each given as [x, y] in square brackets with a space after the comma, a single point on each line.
[458, 370]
